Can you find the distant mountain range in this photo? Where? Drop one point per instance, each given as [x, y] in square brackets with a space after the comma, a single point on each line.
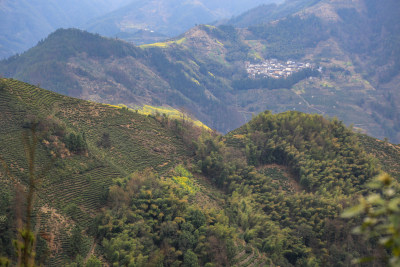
[267, 12]
[171, 18]
[356, 44]
[23, 23]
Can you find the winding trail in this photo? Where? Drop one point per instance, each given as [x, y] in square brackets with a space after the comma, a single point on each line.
[91, 251]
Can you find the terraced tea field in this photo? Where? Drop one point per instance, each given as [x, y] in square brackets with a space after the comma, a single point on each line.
[75, 187]
[388, 154]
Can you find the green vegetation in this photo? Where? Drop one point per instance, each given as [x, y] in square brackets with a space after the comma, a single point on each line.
[381, 212]
[308, 142]
[171, 114]
[149, 188]
[26, 240]
[383, 151]
[164, 44]
[76, 185]
[289, 37]
[152, 222]
[93, 262]
[294, 217]
[145, 190]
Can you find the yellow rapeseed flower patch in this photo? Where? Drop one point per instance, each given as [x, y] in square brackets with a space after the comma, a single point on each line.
[164, 44]
[180, 41]
[210, 26]
[195, 81]
[114, 106]
[171, 113]
[218, 42]
[185, 183]
[239, 136]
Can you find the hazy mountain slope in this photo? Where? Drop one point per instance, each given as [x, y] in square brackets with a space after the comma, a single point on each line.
[84, 65]
[267, 13]
[167, 17]
[23, 23]
[342, 90]
[367, 31]
[359, 37]
[169, 73]
[170, 18]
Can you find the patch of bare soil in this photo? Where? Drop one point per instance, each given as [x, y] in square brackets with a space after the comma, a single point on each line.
[55, 223]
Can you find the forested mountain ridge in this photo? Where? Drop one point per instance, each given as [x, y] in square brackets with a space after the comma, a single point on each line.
[149, 190]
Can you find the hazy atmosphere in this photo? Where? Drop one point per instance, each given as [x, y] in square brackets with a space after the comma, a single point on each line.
[199, 133]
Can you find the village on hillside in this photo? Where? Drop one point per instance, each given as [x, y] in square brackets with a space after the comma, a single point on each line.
[276, 69]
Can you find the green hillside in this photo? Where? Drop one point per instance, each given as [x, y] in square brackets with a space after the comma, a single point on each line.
[297, 172]
[76, 185]
[128, 189]
[91, 67]
[97, 159]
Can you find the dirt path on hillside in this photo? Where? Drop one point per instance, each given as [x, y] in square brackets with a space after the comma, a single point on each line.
[91, 251]
[309, 105]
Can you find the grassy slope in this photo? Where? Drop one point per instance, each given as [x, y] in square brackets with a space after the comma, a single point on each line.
[137, 142]
[91, 67]
[386, 153]
[75, 188]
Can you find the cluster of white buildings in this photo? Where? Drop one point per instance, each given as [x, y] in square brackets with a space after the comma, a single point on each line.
[275, 69]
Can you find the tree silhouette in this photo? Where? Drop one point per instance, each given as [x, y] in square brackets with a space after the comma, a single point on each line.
[25, 244]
